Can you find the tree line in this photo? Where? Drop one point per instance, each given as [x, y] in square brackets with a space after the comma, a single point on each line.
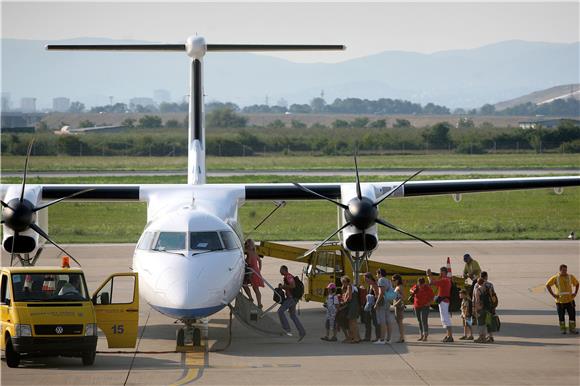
[339, 140]
[382, 106]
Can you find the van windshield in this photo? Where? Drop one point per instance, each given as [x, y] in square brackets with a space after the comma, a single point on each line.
[41, 287]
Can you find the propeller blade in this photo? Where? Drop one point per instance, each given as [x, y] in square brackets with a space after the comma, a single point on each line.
[325, 240]
[5, 205]
[358, 191]
[60, 199]
[26, 168]
[389, 193]
[305, 189]
[393, 227]
[38, 230]
[12, 249]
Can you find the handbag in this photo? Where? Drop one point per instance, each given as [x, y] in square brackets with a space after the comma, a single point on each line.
[390, 295]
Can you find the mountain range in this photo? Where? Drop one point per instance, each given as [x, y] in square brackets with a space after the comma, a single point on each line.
[456, 78]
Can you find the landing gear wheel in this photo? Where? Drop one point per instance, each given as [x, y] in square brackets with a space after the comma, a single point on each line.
[196, 337]
[89, 358]
[12, 357]
[180, 338]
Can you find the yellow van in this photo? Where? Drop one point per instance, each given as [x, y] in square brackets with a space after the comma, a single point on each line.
[47, 311]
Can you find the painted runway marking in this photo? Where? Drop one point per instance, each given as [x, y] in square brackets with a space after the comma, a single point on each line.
[194, 360]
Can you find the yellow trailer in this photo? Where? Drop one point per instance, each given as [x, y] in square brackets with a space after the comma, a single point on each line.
[330, 262]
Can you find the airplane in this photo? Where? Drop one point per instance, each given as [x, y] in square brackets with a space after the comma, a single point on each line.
[190, 256]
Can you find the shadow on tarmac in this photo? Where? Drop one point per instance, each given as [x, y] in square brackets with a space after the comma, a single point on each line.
[103, 362]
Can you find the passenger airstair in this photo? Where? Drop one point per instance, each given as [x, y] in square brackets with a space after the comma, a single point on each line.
[253, 317]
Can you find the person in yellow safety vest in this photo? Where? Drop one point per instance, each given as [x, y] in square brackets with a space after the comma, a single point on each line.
[564, 297]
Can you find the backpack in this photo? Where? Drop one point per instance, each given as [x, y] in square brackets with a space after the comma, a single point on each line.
[298, 290]
[279, 295]
[390, 295]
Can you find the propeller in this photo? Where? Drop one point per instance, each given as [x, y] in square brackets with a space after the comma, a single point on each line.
[19, 214]
[361, 211]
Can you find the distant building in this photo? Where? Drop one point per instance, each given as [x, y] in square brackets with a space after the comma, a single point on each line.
[141, 101]
[547, 123]
[161, 96]
[60, 104]
[6, 101]
[28, 105]
[18, 122]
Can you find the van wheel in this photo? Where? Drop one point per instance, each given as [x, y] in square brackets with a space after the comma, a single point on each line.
[89, 358]
[12, 357]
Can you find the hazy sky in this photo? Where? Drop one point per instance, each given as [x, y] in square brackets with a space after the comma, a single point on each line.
[365, 28]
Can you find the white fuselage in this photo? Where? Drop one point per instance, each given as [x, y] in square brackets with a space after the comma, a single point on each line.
[190, 258]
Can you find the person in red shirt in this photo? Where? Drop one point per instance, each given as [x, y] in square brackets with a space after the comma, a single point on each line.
[443, 299]
[289, 304]
[422, 299]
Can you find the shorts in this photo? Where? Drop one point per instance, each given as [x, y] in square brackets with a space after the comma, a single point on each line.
[399, 313]
[381, 313]
[444, 314]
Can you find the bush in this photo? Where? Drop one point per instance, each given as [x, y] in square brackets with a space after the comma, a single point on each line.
[339, 123]
[224, 118]
[570, 147]
[470, 148]
[150, 122]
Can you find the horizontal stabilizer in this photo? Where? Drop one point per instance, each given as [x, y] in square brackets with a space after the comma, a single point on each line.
[274, 47]
[181, 47]
[115, 47]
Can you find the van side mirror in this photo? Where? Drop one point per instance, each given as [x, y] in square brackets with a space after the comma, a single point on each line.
[105, 298]
[7, 302]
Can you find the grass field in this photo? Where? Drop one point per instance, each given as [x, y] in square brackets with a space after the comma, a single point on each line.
[534, 214]
[430, 161]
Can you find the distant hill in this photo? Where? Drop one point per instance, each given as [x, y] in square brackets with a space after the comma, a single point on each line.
[543, 96]
[457, 78]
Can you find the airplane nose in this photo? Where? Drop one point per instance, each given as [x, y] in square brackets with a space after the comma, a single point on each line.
[198, 284]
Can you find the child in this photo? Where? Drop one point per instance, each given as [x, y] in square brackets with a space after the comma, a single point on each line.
[466, 315]
[331, 305]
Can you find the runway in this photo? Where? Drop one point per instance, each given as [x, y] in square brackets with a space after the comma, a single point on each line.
[305, 173]
[529, 349]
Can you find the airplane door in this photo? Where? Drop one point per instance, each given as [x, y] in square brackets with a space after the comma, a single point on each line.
[116, 304]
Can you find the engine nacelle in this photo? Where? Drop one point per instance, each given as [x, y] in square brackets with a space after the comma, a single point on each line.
[352, 237]
[27, 240]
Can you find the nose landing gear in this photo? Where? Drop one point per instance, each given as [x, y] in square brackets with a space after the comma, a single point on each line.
[191, 334]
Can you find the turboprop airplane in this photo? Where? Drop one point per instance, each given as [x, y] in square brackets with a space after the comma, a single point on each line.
[190, 257]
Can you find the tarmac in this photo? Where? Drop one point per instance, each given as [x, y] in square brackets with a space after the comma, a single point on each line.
[529, 349]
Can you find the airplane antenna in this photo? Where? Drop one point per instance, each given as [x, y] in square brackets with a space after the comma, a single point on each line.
[195, 47]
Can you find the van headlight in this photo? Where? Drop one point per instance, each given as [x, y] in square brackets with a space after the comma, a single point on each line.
[23, 330]
[91, 329]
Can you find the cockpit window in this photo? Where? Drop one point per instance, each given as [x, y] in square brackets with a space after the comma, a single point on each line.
[146, 239]
[205, 241]
[230, 240]
[170, 241]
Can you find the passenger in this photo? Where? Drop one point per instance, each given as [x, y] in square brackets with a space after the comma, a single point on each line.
[563, 281]
[289, 304]
[382, 308]
[443, 299]
[255, 263]
[482, 307]
[369, 311]
[350, 298]
[471, 271]
[492, 298]
[331, 305]
[399, 305]
[422, 298]
[466, 315]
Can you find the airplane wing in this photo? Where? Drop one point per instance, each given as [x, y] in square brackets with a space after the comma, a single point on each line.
[283, 191]
[411, 188]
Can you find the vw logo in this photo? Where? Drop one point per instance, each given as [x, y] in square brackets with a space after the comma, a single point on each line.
[59, 330]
